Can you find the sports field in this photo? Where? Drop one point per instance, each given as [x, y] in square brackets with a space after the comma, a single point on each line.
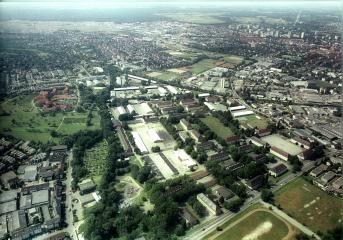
[252, 121]
[282, 143]
[202, 66]
[217, 127]
[257, 224]
[21, 119]
[310, 205]
[95, 160]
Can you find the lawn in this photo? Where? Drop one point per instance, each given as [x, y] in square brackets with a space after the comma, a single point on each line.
[21, 119]
[307, 203]
[217, 127]
[202, 66]
[95, 161]
[252, 121]
[262, 224]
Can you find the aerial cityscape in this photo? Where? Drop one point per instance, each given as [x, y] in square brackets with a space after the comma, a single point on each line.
[157, 120]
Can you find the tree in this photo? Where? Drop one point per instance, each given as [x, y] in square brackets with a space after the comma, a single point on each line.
[234, 205]
[267, 195]
[156, 149]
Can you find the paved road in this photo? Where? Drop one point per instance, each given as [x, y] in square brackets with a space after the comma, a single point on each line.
[291, 220]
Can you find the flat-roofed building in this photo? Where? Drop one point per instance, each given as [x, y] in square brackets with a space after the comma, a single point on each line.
[318, 170]
[188, 217]
[242, 113]
[257, 141]
[327, 177]
[185, 124]
[278, 170]
[211, 207]
[139, 143]
[237, 108]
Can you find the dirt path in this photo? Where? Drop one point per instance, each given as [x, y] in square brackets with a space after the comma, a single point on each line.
[289, 235]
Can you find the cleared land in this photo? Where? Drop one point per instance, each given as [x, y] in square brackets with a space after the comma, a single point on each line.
[95, 161]
[217, 127]
[21, 119]
[252, 121]
[310, 205]
[283, 144]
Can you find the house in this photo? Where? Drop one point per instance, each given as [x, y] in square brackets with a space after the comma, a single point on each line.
[188, 217]
[223, 192]
[185, 124]
[277, 152]
[183, 135]
[263, 132]
[303, 143]
[10, 180]
[278, 170]
[318, 170]
[59, 148]
[211, 207]
[256, 182]
[232, 139]
[338, 183]
[86, 186]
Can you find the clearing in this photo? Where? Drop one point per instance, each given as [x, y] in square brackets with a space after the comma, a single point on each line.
[217, 127]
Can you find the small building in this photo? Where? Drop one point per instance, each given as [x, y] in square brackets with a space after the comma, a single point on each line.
[221, 156]
[318, 170]
[188, 217]
[86, 186]
[40, 197]
[204, 146]
[211, 207]
[195, 135]
[30, 174]
[338, 183]
[301, 142]
[278, 170]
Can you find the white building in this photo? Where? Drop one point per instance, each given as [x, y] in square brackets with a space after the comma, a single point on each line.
[139, 143]
[154, 136]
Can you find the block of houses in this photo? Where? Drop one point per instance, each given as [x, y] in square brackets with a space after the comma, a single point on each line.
[10, 180]
[256, 182]
[278, 170]
[277, 152]
[221, 156]
[185, 124]
[327, 177]
[211, 207]
[301, 142]
[223, 192]
[188, 217]
[318, 170]
[257, 141]
[204, 146]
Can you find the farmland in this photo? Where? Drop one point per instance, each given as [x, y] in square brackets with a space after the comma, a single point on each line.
[21, 119]
[95, 160]
[307, 203]
[217, 127]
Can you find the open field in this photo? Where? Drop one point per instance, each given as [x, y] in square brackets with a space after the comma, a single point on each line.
[217, 127]
[283, 144]
[310, 205]
[167, 75]
[202, 66]
[95, 160]
[153, 74]
[129, 189]
[259, 19]
[21, 119]
[233, 59]
[257, 224]
[193, 18]
[252, 121]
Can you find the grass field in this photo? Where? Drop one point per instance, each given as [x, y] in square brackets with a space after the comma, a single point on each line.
[260, 224]
[233, 59]
[24, 121]
[253, 121]
[167, 75]
[217, 127]
[202, 66]
[310, 205]
[95, 160]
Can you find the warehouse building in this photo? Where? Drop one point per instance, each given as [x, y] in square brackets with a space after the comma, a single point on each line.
[139, 143]
[242, 113]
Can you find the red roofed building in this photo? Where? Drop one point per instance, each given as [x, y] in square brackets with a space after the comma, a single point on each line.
[232, 139]
[279, 153]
